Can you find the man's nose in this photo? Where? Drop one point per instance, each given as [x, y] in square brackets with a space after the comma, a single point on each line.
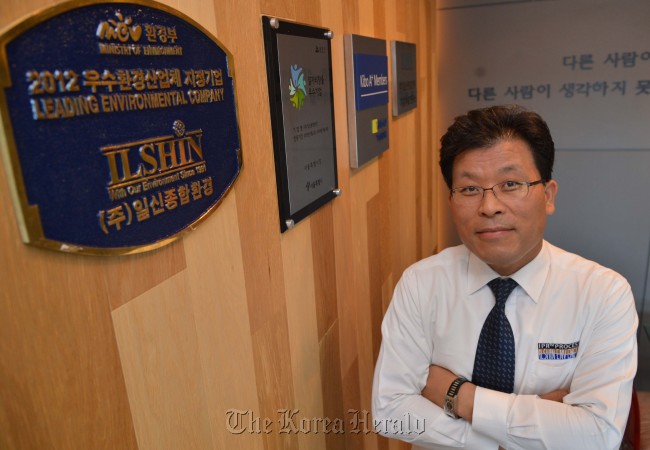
[490, 203]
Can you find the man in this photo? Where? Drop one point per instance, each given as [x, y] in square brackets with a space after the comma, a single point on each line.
[544, 361]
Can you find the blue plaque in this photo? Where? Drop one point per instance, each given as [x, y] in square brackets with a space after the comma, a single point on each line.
[120, 125]
[366, 79]
[371, 80]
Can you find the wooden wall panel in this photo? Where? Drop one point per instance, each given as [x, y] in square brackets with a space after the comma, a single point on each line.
[59, 363]
[375, 278]
[427, 86]
[366, 16]
[336, 401]
[59, 367]
[156, 335]
[154, 350]
[217, 289]
[303, 335]
[127, 278]
[364, 186]
[257, 216]
[322, 242]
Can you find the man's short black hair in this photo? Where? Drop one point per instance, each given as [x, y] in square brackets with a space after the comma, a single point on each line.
[482, 128]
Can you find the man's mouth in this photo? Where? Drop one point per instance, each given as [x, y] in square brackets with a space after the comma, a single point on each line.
[493, 232]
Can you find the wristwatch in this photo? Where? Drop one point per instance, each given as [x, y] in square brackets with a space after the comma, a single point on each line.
[450, 398]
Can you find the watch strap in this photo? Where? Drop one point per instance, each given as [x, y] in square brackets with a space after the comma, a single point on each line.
[450, 398]
[455, 386]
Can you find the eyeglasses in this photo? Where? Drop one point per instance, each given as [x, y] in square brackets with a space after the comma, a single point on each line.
[508, 190]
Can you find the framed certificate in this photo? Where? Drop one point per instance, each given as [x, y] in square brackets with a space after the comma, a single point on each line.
[299, 69]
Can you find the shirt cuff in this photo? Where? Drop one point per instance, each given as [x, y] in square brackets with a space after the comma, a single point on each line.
[490, 415]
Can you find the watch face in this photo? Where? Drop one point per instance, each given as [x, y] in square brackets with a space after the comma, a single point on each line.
[449, 406]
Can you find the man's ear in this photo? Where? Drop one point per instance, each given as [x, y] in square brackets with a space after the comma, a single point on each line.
[550, 191]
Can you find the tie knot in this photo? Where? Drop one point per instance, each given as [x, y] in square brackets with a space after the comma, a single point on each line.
[501, 288]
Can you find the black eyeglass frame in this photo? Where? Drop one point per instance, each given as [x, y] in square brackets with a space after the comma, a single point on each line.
[528, 183]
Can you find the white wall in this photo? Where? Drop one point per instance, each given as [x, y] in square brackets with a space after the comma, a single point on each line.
[491, 51]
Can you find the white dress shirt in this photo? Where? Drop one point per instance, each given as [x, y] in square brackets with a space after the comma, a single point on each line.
[574, 324]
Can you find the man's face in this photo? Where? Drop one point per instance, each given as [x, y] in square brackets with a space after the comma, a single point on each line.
[506, 235]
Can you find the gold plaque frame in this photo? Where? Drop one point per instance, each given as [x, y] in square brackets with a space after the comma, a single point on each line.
[28, 216]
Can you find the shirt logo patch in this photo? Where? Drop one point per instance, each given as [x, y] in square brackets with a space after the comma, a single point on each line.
[550, 351]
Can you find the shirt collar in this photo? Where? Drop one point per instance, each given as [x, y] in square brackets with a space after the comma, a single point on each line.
[531, 277]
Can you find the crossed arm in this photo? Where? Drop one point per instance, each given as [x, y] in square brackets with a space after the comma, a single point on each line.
[590, 413]
[440, 379]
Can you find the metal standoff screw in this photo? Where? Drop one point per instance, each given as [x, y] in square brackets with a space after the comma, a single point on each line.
[329, 34]
[337, 192]
[275, 23]
[290, 223]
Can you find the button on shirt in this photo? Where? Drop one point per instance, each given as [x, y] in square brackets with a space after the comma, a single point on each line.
[574, 324]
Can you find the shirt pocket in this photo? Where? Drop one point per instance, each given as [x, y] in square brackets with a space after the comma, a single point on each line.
[549, 375]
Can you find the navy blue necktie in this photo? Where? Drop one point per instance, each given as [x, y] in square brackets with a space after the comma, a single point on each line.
[494, 365]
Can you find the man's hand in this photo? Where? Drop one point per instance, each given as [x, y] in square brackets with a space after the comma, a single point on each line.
[438, 383]
[556, 396]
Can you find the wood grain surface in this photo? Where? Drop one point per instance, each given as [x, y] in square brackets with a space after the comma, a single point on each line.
[234, 323]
